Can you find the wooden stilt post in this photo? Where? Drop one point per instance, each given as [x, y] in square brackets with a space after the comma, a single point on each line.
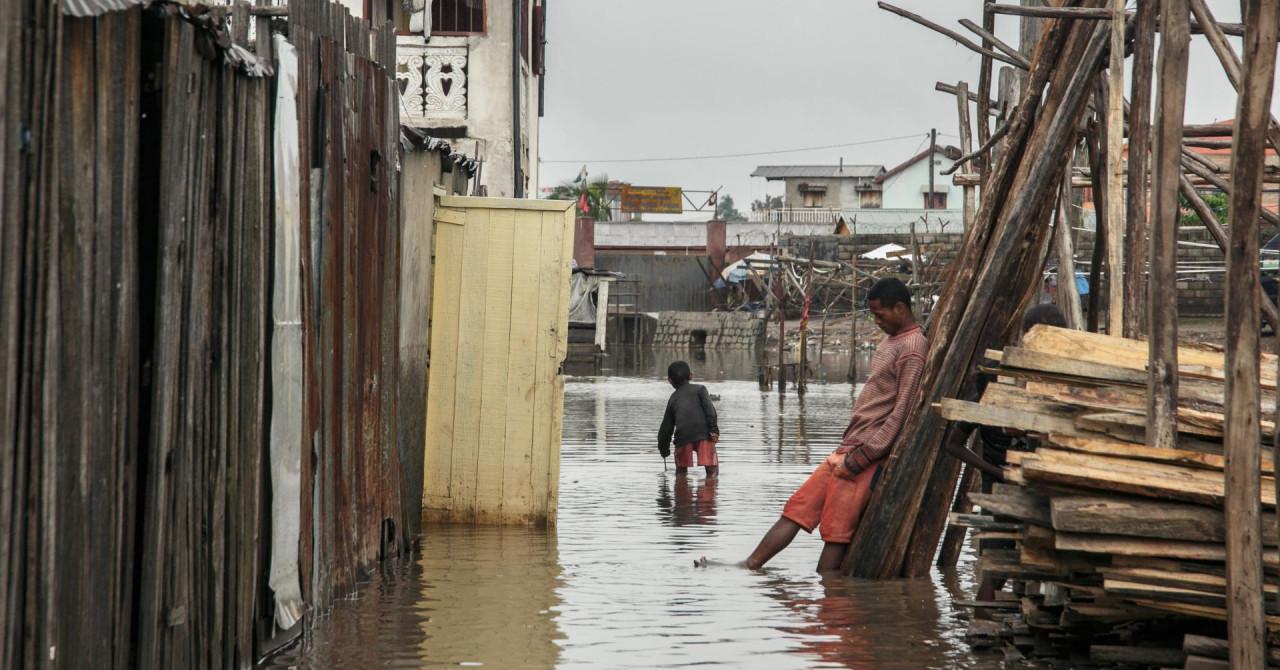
[1245, 618]
[1162, 298]
[853, 307]
[984, 95]
[1115, 173]
[953, 539]
[1135, 284]
[1068, 293]
[966, 145]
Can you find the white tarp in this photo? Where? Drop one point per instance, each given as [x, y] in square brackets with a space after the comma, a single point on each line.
[582, 306]
[286, 350]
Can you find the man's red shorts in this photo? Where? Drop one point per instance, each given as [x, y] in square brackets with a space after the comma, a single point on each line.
[833, 504]
[706, 454]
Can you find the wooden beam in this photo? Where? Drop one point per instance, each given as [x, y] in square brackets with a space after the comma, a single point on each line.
[1162, 298]
[990, 40]
[1068, 292]
[984, 98]
[992, 107]
[1136, 224]
[1246, 623]
[966, 145]
[1096, 149]
[959, 39]
[1050, 12]
[1115, 173]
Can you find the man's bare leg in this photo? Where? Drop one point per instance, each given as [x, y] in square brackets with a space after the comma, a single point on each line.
[713, 471]
[832, 556]
[779, 536]
[680, 472]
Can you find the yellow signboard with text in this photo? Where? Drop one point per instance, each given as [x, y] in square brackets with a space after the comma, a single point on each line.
[653, 199]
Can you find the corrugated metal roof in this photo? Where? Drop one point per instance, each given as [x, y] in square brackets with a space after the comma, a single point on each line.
[817, 171]
[84, 8]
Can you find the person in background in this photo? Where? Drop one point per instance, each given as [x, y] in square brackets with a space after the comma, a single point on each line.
[692, 418]
[834, 496]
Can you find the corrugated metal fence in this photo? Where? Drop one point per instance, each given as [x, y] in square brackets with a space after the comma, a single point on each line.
[136, 227]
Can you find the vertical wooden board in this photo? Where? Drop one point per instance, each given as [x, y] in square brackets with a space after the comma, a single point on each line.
[566, 223]
[496, 345]
[517, 486]
[546, 374]
[470, 326]
[443, 371]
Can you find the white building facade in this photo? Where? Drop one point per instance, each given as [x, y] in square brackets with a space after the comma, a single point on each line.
[471, 72]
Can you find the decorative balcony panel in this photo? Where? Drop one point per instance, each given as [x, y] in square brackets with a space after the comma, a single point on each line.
[433, 82]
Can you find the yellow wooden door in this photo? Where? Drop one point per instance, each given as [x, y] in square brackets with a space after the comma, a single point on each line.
[499, 333]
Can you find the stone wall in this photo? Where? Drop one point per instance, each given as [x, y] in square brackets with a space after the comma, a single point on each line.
[723, 330]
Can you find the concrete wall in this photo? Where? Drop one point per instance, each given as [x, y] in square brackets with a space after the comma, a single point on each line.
[718, 330]
[906, 189]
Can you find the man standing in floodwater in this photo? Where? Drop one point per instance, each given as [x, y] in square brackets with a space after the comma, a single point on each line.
[692, 418]
[834, 496]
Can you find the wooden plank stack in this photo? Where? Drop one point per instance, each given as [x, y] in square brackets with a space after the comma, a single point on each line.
[1118, 552]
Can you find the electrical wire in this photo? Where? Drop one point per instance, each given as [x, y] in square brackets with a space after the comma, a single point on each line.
[739, 155]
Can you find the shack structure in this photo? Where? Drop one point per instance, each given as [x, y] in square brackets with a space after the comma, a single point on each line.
[1064, 103]
[215, 282]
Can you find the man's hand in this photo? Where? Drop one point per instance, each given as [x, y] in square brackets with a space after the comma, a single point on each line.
[839, 468]
[715, 437]
[664, 450]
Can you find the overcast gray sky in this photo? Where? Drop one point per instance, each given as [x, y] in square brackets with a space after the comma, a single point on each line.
[637, 79]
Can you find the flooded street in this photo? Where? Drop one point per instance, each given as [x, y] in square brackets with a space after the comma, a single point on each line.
[614, 585]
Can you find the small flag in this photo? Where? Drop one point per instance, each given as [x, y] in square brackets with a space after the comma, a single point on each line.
[581, 179]
[582, 203]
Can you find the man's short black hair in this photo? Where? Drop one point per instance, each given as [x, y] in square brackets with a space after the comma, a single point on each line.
[678, 372]
[890, 291]
[1044, 313]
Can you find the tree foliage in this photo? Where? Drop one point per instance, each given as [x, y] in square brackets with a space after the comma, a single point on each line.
[597, 196]
[1219, 203]
[726, 210]
[769, 202]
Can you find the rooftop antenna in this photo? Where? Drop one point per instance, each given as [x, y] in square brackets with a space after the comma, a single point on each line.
[841, 170]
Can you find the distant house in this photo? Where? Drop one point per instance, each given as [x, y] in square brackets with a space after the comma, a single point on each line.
[878, 200]
[826, 186]
[906, 185]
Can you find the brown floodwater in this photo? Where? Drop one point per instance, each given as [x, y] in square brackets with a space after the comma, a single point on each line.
[614, 584]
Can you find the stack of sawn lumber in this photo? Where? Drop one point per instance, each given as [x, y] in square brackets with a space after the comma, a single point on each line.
[1118, 553]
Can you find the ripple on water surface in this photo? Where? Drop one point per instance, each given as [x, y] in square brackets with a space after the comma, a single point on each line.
[614, 584]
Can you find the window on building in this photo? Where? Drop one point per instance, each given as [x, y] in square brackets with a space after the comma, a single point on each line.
[813, 198]
[869, 199]
[457, 17]
[935, 200]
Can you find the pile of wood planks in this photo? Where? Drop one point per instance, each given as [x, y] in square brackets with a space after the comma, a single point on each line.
[1118, 549]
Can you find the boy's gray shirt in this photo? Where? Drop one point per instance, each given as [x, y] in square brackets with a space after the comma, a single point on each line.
[690, 415]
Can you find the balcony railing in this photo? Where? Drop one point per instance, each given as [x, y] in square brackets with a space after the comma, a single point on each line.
[433, 82]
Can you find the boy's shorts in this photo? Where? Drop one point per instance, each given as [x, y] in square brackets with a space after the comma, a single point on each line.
[706, 454]
[831, 503]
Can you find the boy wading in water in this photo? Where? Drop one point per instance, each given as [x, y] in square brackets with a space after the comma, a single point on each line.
[834, 496]
[692, 417]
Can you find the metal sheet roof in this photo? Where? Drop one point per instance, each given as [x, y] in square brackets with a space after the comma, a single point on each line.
[85, 8]
[817, 171]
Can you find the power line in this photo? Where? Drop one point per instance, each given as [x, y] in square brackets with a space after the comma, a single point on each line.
[741, 155]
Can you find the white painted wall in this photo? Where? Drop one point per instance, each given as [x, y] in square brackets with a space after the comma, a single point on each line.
[905, 190]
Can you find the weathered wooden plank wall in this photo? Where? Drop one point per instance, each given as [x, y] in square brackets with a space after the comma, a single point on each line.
[136, 218]
[352, 476]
